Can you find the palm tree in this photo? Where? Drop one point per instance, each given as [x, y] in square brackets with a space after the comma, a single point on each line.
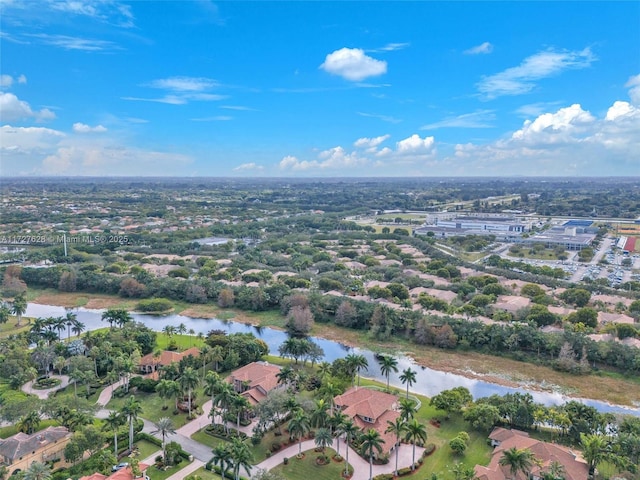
[388, 364]
[78, 327]
[371, 442]
[324, 369]
[19, 306]
[164, 426]
[240, 404]
[223, 399]
[594, 449]
[205, 353]
[181, 329]
[335, 424]
[132, 408]
[407, 409]
[188, 381]
[298, 427]
[323, 438]
[5, 311]
[350, 430]
[408, 376]
[211, 384]
[217, 355]
[397, 427]
[29, 423]
[356, 362]
[222, 457]
[241, 457]
[114, 421]
[415, 432]
[320, 414]
[518, 460]
[37, 471]
[163, 389]
[285, 375]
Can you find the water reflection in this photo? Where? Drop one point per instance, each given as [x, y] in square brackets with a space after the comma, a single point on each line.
[429, 382]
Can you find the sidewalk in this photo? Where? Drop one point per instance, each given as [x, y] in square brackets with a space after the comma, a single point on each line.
[44, 394]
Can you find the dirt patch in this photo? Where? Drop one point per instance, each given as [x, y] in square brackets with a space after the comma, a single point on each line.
[200, 311]
[101, 303]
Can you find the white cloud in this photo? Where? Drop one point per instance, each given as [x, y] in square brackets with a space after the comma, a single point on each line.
[84, 128]
[239, 108]
[555, 127]
[535, 109]
[104, 10]
[415, 145]
[390, 47]
[184, 84]
[384, 118]
[353, 64]
[6, 81]
[181, 90]
[478, 119]
[483, 48]
[569, 141]
[28, 139]
[634, 89]
[370, 142]
[75, 43]
[521, 79]
[248, 167]
[12, 109]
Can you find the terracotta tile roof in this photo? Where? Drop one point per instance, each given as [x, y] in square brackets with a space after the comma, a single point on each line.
[168, 357]
[365, 402]
[500, 434]
[511, 303]
[575, 468]
[21, 444]
[260, 378]
[605, 317]
[122, 474]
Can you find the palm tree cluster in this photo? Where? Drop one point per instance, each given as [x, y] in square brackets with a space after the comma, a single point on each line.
[225, 400]
[235, 455]
[49, 329]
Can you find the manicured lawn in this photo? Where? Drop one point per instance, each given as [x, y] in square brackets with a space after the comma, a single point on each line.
[208, 440]
[10, 328]
[156, 474]
[152, 407]
[306, 468]
[10, 430]
[145, 448]
[183, 341]
[204, 474]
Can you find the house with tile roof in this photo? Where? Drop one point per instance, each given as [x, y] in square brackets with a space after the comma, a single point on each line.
[255, 380]
[152, 362]
[21, 450]
[122, 474]
[368, 409]
[545, 454]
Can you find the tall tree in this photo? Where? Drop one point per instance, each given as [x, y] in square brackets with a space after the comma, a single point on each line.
[518, 460]
[594, 449]
[323, 438]
[298, 427]
[222, 457]
[188, 381]
[69, 321]
[398, 427]
[30, 422]
[113, 422]
[356, 363]
[371, 442]
[350, 431]
[408, 377]
[164, 427]
[388, 364]
[37, 471]
[415, 432]
[132, 408]
[19, 306]
[241, 457]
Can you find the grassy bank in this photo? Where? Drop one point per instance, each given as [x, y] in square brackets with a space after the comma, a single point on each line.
[604, 386]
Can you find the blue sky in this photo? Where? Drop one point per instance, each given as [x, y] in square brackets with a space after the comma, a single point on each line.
[307, 89]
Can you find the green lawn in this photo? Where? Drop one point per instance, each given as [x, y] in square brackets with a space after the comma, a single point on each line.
[206, 439]
[152, 407]
[10, 430]
[306, 468]
[10, 328]
[183, 341]
[204, 474]
[145, 448]
[156, 474]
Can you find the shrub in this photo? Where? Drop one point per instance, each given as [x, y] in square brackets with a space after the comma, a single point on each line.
[154, 305]
[285, 460]
[404, 471]
[428, 449]
[275, 446]
[384, 476]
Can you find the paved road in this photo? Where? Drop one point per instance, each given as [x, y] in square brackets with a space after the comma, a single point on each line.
[44, 394]
[359, 464]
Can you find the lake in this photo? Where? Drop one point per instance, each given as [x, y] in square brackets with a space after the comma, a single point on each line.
[429, 382]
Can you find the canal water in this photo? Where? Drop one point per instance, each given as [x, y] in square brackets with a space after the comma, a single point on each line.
[429, 382]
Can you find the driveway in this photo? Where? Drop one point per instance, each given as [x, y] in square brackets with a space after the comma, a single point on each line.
[44, 394]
